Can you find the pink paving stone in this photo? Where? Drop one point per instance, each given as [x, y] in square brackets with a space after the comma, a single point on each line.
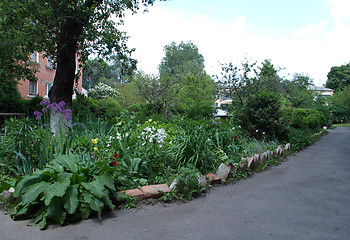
[134, 193]
[155, 191]
[213, 179]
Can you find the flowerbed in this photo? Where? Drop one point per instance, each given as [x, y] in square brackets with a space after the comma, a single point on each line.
[77, 170]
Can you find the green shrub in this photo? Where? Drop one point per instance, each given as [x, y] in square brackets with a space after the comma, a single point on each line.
[84, 108]
[65, 190]
[187, 183]
[262, 116]
[302, 118]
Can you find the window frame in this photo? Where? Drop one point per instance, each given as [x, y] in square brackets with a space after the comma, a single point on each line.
[31, 84]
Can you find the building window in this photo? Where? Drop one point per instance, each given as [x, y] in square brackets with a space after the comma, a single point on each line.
[35, 57]
[33, 88]
[49, 62]
[47, 89]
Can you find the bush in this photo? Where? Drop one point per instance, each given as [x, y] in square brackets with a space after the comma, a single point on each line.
[84, 108]
[262, 116]
[307, 118]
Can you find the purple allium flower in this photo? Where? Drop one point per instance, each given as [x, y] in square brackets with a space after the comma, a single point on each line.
[214, 122]
[37, 113]
[44, 110]
[45, 102]
[219, 122]
[57, 107]
[50, 106]
[67, 114]
[62, 104]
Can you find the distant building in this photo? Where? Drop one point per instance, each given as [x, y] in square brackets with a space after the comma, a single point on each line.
[45, 75]
[323, 91]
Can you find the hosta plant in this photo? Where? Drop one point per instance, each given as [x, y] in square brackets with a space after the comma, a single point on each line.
[65, 190]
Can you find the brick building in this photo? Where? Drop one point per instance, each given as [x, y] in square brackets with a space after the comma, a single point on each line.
[45, 75]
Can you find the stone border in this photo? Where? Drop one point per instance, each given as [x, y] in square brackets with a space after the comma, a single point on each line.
[222, 173]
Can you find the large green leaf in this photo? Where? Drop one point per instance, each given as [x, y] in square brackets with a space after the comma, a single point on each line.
[108, 202]
[55, 166]
[78, 178]
[68, 161]
[71, 201]
[33, 192]
[57, 189]
[95, 188]
[106, 180]
[94, 203]
[25, 182]
[61, 177]
[55, 211]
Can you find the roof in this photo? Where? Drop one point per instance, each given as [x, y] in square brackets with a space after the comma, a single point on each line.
[321, 89]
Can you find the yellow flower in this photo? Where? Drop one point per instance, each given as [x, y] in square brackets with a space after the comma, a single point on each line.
[150, 120]
[95, 148]
[94, 140]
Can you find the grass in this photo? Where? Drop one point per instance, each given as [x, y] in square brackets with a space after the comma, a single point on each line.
[342, 125]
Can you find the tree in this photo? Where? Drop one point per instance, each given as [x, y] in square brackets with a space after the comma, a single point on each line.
[65, 29]
[268, 77]
[296, 91]
[340, 105]
[196, 97]
[181, 60]
[338, 77]
[111, 73]
[238, 82]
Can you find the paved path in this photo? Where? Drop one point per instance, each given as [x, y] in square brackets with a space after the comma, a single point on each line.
[307, 197]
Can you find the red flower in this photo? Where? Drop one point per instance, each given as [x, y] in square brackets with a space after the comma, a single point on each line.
[115, 155]
[235, 137]
[112, 164]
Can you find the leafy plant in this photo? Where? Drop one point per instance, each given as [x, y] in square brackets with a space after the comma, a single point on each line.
[65, 190]
[187, 183]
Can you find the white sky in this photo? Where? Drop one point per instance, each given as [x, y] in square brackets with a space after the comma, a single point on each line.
[302, 36]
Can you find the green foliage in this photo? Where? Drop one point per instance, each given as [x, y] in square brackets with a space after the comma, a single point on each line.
[187, 183]
[20, 147]
[65, 189]
[297, 93]
[340, 106]
[299, 138]
[262, 116]
[307, 118]
[195, 98]
[84, 108]
[180, 60]
[338, 77]
[10, 99]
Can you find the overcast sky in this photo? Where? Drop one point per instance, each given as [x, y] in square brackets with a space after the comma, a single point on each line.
[302, 36]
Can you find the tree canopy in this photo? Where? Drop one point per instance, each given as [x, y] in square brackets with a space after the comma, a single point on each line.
[339, 77]
[180, 60]
[65, 29]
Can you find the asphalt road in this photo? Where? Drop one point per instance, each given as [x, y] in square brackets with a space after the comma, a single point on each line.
[307, 197]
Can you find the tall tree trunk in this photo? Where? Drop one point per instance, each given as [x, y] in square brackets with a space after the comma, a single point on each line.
[62, 89]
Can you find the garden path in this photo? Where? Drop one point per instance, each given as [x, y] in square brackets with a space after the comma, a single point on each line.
[307, 197]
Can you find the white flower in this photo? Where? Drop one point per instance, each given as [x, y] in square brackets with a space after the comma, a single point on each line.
[324, 127]
[263, 132]
[12, 190]
[257, 130]
[233, 128]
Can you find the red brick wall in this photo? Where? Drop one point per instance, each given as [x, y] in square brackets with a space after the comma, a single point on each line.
[44, 75]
